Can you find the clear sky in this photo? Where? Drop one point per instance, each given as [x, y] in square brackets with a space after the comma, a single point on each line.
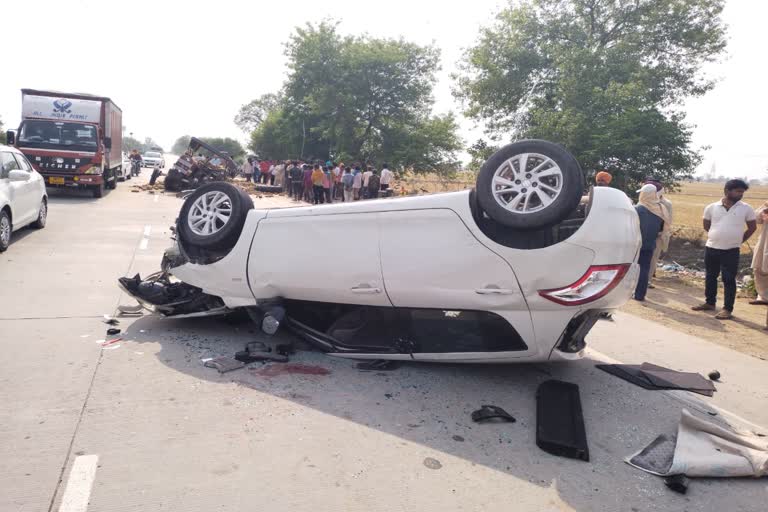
[185, 67]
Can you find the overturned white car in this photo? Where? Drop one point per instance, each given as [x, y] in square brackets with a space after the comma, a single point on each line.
[518, 269]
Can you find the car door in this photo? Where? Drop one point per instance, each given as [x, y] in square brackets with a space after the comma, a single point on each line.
[460, 299]
[17, 190]
[30, 191]
[322, 258]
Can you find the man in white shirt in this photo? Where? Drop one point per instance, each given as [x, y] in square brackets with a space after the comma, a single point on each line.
[366, 176]
[724, 222]
[386, 177]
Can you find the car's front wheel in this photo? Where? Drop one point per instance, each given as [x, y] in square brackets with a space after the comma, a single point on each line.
[531, 184]
[5, 230]
[212, 217]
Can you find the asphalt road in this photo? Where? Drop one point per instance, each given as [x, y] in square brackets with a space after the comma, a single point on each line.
[143, 426]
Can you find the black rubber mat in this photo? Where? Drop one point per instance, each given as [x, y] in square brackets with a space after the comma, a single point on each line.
[560, 420]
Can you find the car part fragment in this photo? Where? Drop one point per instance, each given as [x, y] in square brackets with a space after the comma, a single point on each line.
[560, 421]
[492, 412]
[159, 292]
[224, 364]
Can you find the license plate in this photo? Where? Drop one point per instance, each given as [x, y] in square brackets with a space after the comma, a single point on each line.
[53, 180]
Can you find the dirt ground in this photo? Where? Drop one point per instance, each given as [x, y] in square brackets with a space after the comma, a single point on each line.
[670, 304]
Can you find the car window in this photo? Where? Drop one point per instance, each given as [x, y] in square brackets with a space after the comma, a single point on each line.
[23, 163]
[442, 331]
[8, 163]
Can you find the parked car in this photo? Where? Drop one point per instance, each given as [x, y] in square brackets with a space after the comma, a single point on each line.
[125, 168]
[153, 159]
[517, 269]
[23, 200]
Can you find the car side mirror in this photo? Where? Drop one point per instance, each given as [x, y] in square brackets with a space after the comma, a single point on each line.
[17, 175]
[10, 137]
[108, 142]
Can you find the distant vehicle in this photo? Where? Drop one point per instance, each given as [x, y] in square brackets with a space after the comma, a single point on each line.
[199, 164]
[72, 140]
[23, 200]
[154, 159]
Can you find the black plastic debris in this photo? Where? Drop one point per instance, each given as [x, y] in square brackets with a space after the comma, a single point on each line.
[112, 331]
[247, 357]
[378, 365]
[491, 412]
[560, 420]
[678, 483]
[653, 377]
[714, 375]
[224, 364]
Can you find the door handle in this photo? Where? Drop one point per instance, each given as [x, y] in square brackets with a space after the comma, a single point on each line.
[493, 291]
[364, 289]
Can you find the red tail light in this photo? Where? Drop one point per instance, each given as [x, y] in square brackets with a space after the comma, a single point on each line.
[596, 283]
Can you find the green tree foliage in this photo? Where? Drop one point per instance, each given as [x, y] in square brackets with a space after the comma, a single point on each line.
[181, 144]
[350, 98]
[129, 144]
[480, 151]
[230, 146]
[606, 78]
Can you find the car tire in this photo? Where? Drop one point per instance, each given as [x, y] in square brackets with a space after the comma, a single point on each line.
[172, 182]
[209, 234]
[42, 215]
[6, 230]
[542, 194]
[268, 188]
[98, 190]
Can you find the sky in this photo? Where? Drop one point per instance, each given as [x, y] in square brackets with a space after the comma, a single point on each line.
[185, 67]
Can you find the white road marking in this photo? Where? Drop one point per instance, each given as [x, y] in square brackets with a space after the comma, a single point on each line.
[683, 396]
[145, 239]
[79, 485]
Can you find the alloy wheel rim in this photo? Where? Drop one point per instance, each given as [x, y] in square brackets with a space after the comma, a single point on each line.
[5, 231]
[527, 183]
[209, 213]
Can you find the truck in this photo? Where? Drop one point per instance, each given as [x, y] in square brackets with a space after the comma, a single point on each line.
[74, 140]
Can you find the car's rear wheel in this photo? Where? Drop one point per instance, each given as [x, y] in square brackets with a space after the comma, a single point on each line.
[42, 215]
[530, 184]
[212, 217]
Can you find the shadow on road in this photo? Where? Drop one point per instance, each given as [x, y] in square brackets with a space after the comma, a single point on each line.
[430, 404]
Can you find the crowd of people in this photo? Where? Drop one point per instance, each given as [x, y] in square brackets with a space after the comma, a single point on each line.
[729, 222]
[321, 183]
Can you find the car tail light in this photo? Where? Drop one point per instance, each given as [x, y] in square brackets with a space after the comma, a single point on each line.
[596, 283]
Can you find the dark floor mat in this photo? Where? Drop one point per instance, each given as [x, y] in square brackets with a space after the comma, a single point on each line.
[635, 374]
[560, 420]
[679, 380]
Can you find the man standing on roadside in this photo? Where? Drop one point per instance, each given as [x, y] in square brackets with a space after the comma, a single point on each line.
[366, 176]
[724, 223]
[603, 179]
[386, 177]
[357, 175]
[346, 182]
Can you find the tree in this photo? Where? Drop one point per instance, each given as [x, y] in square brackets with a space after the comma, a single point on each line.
[230, 146]
[606, 78]
[252, 114]
[2, 132]
[129, 144]
[181, 144]
[348, 98]
[480, 151]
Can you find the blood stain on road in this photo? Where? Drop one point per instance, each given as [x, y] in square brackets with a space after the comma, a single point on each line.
[275, 370]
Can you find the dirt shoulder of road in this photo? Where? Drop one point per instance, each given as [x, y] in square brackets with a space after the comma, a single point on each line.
[670, 305]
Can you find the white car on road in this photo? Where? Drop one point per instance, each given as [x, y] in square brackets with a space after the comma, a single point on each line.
[23, 199]
[517, 269]
[153, 159]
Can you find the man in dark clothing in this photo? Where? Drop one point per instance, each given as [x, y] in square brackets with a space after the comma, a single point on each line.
[297, 182]
[651, 223]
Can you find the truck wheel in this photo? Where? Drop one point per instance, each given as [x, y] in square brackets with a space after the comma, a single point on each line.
[112, 180]
[212, 217]
[98, 190]
[531, 184]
